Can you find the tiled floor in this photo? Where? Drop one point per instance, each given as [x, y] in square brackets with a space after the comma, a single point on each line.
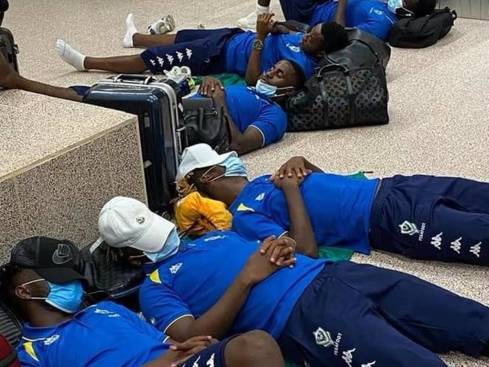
[438, 106]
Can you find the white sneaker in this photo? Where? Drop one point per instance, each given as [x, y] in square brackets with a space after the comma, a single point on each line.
[248, 22]
[162, 26]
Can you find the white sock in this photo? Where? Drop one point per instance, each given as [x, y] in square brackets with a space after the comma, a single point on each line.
[130, 31]
[262, 9]
[70, 55]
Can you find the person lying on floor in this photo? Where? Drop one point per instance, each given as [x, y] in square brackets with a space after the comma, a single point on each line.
[45, 289]
[374, 16]
[422, 217]
[321, 313]
[216, 51]
[255, 119]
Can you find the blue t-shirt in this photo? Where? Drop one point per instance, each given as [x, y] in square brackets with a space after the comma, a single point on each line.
[105, 334]
[276, 48]
[192, 281]
[372, 16]
[338, 207]
[247, 108]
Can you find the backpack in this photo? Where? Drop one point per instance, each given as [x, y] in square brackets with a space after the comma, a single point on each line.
[339, 97]
[8, 357]
[422, 31]
[363, 50]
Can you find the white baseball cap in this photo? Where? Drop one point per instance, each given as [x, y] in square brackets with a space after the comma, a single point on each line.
[200, 156]
[127, 222]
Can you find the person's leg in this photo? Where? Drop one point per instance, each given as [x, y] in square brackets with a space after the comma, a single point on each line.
[334, 324]
[253, 349]
[10, 79]
[150, 40]
[431, 316]
[118, 64]
[249, 22]
[433, 218]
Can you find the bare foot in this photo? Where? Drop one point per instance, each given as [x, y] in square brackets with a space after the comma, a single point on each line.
[8, 76]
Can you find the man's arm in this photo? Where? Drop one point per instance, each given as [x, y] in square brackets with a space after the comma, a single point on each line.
[341, 12]
[263, 28]
[300, 225]
[251, 139]
[218, 320]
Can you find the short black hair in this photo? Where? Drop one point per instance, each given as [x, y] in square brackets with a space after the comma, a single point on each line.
[335, 36]
[301, 77]
[424, 7]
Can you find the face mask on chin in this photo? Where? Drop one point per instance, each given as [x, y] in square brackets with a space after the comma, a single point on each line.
[169, 249]
[397, 7]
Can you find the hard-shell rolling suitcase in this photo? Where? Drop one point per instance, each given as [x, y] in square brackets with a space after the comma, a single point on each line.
[157, 103]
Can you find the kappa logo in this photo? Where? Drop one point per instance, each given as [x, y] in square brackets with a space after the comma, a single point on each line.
[369, 364]
[408, 228]
[62, 255]
[175, 268]
[436, 241]
[152, 62]
[196, 363]
[293, 48]
[476, 249]
[456, 245]
[170, 58]
[188, 52]
[323, 337]
[51, 339]
[348, 356]
[260, 197]
[161, 61]
[210, 362]
[179, 56]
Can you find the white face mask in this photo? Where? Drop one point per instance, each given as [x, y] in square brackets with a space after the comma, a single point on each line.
[397, 7]
[265, 88]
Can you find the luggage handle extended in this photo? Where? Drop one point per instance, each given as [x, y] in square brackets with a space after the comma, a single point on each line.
[134, 79]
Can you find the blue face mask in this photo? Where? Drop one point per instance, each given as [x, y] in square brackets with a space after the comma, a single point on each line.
[234, 167]
[66, 297]
[265, 89]
[170, 248]
[397, 7]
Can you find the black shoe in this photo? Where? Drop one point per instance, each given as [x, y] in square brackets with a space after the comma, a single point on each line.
[485, 352]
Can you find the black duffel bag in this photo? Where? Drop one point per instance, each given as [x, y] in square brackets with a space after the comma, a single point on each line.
[3, 8]
[337, 97]
[423, 31]
[363, 50]
[8, 48]
[210, 126]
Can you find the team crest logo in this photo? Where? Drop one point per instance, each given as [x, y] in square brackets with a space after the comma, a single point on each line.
[323, 338]
[62, 254]
[293, 48]
[408, 228]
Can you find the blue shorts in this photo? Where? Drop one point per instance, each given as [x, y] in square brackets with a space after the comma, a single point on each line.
[432, 218]
[210, 356]
[365, 316]
[202, 50]
[299, 10]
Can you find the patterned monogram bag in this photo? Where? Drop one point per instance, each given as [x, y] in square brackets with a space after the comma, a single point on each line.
[337, 97]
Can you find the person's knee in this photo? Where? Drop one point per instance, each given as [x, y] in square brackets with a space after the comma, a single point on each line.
[254, 348]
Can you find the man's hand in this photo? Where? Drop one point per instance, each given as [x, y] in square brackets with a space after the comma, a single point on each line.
[264, 25]
[279, 250]
[210, 86]
[180, 352]
[295, 166]
[288, 182]
[259, 267]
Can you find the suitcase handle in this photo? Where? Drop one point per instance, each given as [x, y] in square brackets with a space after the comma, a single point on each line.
[134, 79]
